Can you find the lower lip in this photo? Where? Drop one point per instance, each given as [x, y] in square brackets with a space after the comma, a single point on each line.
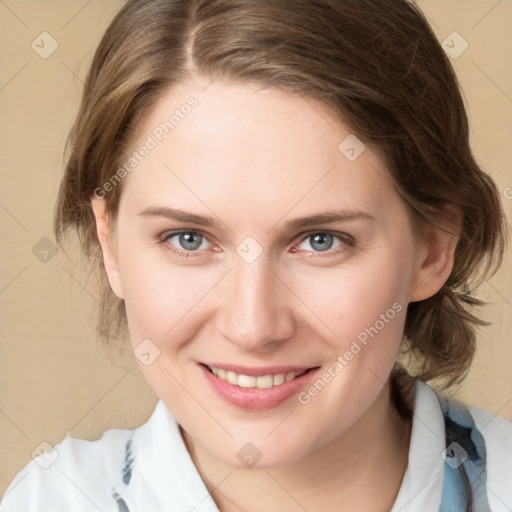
[257, 399]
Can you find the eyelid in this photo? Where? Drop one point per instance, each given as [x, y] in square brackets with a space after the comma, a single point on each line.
[173, 232]
[164, 237]
[344, 238]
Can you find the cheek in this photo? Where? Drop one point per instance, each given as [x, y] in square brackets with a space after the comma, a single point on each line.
[352, 297]
[164, 304]
[365, 304]
[160, 297]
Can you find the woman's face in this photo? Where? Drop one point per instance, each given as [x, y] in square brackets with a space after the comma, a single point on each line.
[258, 236]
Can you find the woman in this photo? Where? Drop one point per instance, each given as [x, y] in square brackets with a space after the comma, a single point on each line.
[283, 204]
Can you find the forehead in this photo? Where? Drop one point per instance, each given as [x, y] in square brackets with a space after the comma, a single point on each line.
[239, 147]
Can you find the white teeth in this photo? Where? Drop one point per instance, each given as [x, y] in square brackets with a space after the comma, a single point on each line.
[279, 379]
[246, 381]
[232, 377]
[265, 381]
[249, 381]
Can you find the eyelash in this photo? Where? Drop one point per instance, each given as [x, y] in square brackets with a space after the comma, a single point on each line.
[181, 253]
[347, 241]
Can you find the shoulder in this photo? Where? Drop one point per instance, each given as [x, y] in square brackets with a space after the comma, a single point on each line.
[497, 431]
[486, 440]
[125, 470]
[75, 471]
[497, 434]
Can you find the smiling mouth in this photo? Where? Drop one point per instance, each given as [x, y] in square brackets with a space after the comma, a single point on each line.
[251, 381]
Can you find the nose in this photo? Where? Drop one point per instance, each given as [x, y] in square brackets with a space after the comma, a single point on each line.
[255, 309]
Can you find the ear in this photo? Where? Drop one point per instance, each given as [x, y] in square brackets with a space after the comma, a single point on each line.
[106, 237]
[436, 257]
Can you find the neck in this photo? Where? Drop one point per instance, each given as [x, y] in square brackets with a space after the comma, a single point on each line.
[360, 470]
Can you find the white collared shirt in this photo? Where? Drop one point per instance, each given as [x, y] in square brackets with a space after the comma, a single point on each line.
[159, 474]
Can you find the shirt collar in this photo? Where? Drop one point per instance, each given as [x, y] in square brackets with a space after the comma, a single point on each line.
[422, 484]
[164, 470]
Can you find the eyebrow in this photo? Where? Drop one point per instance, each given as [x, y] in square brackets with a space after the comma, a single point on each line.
[327, 218]
[299, 223]
[172, 214]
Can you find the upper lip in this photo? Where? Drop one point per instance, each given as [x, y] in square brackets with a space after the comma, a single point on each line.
[259, 370]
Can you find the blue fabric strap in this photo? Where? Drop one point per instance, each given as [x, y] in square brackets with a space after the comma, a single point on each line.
[465, 460]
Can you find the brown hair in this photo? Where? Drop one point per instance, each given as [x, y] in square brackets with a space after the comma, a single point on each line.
[376, 65]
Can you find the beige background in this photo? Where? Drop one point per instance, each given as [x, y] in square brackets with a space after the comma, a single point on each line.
[54, 376]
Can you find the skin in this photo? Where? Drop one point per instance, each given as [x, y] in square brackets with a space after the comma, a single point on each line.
[254, 159]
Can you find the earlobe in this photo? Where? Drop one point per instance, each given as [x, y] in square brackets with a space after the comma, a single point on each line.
[435, 262]
[106, 238]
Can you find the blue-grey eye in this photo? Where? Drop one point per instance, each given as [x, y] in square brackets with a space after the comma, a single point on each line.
[189, 240]
[320, 242]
